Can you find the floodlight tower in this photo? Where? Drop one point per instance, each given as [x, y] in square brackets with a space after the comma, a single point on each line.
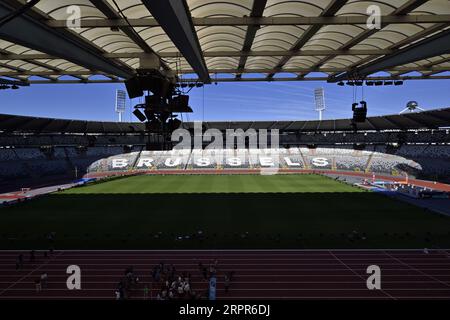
[319, 95]
[121, 99]
[412, 106]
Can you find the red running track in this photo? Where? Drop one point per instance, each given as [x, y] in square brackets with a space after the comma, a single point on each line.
[258, 274]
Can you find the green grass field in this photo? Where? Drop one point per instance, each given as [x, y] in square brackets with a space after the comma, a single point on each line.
[216, 184]
[229, 211]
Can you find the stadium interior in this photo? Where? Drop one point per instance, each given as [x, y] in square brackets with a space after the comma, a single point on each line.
[36, 152]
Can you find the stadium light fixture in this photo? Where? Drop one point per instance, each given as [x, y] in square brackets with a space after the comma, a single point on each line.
[152, 81]
[139, 115]
[319, 97]
[359, 112]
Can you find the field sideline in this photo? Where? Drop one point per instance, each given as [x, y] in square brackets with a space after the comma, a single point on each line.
[216, 184]
[220, 212]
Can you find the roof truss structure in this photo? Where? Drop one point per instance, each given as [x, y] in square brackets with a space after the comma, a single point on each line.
[231, 40]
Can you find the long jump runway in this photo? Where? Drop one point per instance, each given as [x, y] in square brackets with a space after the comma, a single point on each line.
[322, 274]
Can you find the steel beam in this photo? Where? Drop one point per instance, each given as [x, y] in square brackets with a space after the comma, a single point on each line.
[38, 63]
[400, 13]
[416, 37]
[328, 12]
[281, 79]
[280, 53]
[257, 21]
[430, 47]
[175, 19]
[22, 72]
[18, 71]
[14, 82]
[112, 14]
[257, 12]
[429, 65]
[33, 34]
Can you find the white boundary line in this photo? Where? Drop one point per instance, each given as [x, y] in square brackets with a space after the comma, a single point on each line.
[261, 289]
[349, 298]
[419, 270]
[359, 275]
[25, 276]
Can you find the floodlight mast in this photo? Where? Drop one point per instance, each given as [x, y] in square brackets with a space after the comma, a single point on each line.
[319, 95]
[121, 98]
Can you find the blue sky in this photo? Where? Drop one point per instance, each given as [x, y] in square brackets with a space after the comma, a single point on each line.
[227, 101]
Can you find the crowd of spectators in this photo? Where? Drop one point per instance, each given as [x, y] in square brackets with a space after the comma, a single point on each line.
[168, 283]
[172, 285]
[73, 162]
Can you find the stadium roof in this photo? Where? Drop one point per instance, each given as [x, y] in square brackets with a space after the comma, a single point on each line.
[224, 40]
[433, 119]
